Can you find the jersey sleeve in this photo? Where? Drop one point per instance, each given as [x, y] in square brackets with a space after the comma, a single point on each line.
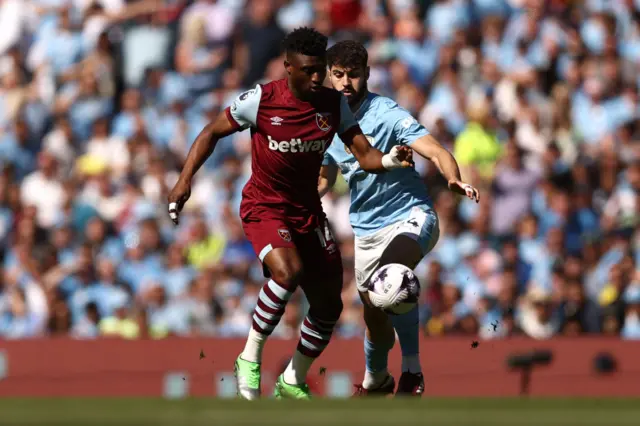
[243, 112]
[405, 127]
[347, 120]
[328, 159]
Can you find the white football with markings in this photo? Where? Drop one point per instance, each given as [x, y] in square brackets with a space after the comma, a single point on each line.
[394, 288]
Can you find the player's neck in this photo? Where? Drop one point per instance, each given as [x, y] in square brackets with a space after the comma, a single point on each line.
[297, 94]
[356, 105]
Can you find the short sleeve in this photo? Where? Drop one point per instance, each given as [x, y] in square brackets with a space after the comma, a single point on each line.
[243, 112]
[328, 159]
[347, 120]
[405, 127]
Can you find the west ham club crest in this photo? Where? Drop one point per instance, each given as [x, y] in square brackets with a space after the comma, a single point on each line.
[285, 234]
[323, 120]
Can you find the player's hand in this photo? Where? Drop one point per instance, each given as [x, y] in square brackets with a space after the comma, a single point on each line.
[177, 198]
[404, 154]
[465, 189]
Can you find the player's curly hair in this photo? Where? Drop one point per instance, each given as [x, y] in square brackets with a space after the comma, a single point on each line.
[306, 41]
[348, 54]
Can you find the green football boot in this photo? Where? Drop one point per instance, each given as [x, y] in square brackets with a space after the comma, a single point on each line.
[247, 379]
[284, 390]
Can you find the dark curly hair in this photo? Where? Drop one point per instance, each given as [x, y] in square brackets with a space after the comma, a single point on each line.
[348, 54]
[306, 41]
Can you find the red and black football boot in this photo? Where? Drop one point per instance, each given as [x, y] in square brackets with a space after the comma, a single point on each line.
[385, 389]
[410, 384]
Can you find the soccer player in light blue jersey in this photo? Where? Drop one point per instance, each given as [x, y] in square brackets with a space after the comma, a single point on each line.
[391, 214]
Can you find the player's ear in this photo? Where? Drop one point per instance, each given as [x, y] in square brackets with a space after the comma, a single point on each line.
[367, 72]
[287, 66]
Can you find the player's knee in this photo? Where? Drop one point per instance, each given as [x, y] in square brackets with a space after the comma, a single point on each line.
[334, 309]
[327, 309]
[403, 250]
[288, 275]
[334, 299]
[384, 339]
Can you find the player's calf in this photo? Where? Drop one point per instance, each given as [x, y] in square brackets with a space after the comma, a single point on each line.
[266, 316]
[316, 330]
[381, 328]
[315, 334]
[407, 326]
[379, 340]
[285, 269]
[411, 382]
[407, 251]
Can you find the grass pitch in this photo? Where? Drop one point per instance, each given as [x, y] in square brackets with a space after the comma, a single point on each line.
[320, 412]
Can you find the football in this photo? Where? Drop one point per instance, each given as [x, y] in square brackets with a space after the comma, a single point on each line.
[394, 288]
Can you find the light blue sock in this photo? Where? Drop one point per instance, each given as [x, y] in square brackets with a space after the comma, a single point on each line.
[376, 356]
[377, 360]
[407, 327]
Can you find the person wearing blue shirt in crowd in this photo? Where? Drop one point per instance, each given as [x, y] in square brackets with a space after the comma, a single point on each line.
[392, 215]
[14, 150]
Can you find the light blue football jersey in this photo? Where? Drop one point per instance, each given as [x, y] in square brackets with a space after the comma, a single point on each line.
[379, 200]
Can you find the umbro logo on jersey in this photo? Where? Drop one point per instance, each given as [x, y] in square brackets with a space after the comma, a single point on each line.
[276, 121]
[297, 145]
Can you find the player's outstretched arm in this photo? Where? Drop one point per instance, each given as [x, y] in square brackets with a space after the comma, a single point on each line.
[372, 160]
[428, 147]
[328, 176]
[201, 149]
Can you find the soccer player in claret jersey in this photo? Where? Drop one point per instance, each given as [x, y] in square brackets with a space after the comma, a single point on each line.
[392, 214]
[292, 122]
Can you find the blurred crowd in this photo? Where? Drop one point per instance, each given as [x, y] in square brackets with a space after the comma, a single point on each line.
[100, 101]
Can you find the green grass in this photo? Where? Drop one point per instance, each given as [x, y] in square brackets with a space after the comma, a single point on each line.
[371, 412]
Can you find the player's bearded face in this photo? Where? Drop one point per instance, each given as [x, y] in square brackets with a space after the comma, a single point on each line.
[306, 73]
[352, 82]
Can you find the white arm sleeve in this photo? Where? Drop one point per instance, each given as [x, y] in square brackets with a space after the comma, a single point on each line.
[244, 109]
[347, 120]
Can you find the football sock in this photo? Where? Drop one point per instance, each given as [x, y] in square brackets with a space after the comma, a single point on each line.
[253, 348]
[314, 338]
[407, 327]
[376, 360]
[296, 371]
[266, 315]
